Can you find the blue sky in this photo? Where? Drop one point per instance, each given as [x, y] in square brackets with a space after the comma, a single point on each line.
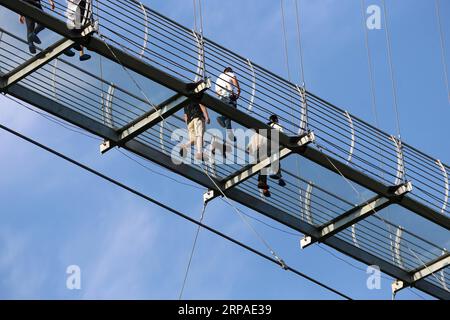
[55, 215]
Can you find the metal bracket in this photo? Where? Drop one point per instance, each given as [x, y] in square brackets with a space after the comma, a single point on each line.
[354, 215]
[305, 241]
[401, 189]
[396, 286]
[209, 195]
[202, 86]
[306, 138]
[436, 265]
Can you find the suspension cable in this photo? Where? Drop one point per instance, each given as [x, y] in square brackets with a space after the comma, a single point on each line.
[286, 50]
[251, 227]
[443, 53]
[192, 251]
[391, 68]
[370, 65]
[194, 4]
[371, 80]
[299, 40]
[170, 209]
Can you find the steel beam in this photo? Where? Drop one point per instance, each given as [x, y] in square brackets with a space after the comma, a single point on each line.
[432, 267]
[196, 175]
[39, 60]
[420, 274]
[355, 215]
[152, 117]
[145, 122]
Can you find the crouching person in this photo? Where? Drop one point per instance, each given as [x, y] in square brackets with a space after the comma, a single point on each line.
[258, 149]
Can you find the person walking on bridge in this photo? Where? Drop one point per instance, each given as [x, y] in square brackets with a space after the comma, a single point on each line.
[32, 27]
[228, 91]
[79, 13]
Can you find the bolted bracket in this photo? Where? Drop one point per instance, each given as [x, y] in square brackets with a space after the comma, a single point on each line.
[105, 146]
[396, 286]
[208, 196]
[401, 189]
[204, 85]
[300, 142]
[305, 241]
[307, 138]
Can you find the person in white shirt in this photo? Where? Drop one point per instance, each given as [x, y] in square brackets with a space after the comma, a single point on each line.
[273, 123]
[228, 90]
[258, 149]
[79, 14]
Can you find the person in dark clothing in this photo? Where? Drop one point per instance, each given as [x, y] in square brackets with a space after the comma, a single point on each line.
[273, 123]
[33, 28]
[195, 116]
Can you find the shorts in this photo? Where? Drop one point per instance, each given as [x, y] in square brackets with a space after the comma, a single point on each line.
[196, 128]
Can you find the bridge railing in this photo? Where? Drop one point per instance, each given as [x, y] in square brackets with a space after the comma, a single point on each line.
[184, 53]
[86, 93]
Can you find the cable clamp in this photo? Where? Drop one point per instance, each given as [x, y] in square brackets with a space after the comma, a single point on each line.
[208, 196]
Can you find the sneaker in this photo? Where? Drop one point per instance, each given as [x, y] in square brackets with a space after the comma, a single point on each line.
[282, 183]
[220, 122]
[32, 48]
[275, 176]
[266, 193]
[35, 39]
[69, 53]
[85, 57]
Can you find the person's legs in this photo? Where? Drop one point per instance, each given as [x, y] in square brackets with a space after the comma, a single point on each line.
[199, 127]
[84, 56]
[191, 132]
[221, 119]
[30, 30]
[281, 181]
[37, 27]
[30, 35]
[262, 184]
[262, 181]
